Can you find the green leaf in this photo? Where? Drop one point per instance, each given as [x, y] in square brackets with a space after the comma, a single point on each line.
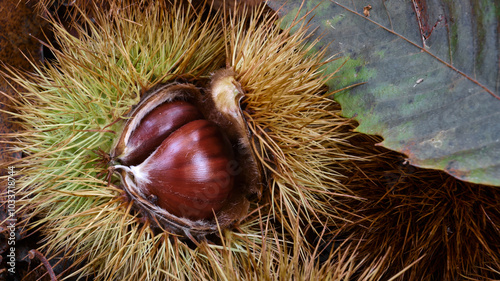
[431, 77]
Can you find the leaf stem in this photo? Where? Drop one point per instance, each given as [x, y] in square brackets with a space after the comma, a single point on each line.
[422, 49]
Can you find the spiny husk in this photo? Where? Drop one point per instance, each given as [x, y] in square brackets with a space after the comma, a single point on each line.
[436, 226]
[69, 111]
[299, 134]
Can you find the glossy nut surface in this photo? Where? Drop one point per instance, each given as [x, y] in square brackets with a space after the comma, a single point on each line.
[189, 172]
[156, 126]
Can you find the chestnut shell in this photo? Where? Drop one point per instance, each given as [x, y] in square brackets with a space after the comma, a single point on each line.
[193, 173]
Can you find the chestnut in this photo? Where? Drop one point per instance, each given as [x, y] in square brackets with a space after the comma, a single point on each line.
[157, 126]
[179, 158]
[188, 173]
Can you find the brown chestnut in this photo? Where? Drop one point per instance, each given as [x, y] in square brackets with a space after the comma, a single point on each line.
[188, 173]
[183, 156]
[176, 157]
[156, 126]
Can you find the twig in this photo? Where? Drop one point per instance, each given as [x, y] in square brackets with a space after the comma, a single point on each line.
[35, 253]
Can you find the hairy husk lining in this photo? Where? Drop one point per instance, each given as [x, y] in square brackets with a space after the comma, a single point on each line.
[69, 111]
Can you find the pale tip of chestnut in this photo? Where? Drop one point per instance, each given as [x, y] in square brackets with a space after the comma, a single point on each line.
[133, 177]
